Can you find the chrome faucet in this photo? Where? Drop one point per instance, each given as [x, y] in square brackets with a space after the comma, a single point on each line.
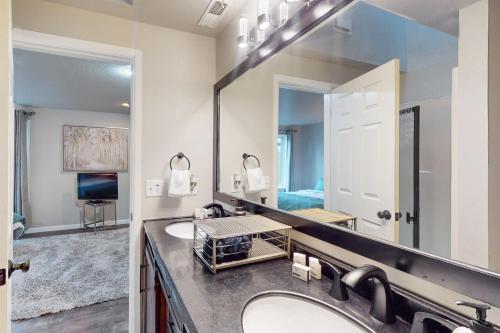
[382, 307]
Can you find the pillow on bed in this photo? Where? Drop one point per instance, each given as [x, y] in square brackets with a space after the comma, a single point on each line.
[320, 185]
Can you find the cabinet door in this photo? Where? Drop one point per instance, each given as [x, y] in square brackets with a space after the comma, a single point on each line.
[151, 290]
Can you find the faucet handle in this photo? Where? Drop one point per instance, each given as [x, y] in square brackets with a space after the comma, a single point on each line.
[338, 289]
[481, 309]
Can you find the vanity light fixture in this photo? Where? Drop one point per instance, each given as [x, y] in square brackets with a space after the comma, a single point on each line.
[283, 13]
[243, 34]
[256, 35]
[263, 15]
[289, 34]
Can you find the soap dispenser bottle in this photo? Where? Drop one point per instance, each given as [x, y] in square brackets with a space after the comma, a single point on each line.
[479, 325]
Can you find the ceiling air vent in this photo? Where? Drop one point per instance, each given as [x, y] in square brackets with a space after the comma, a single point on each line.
[214, 13]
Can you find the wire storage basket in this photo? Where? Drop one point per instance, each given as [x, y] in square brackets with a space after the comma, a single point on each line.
[239, 240]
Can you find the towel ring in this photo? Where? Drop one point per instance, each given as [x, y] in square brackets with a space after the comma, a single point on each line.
[246, 156]
[180, 156]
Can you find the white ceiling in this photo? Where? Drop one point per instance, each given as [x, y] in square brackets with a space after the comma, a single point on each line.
[185, 14]
[176, 14]
[298, 108]
[368, 27]
[59, 82]
[439, 14]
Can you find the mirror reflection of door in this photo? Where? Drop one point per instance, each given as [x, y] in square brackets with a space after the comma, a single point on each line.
[365, 150]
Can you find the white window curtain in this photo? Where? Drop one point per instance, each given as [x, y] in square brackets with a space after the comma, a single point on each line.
[284, 147]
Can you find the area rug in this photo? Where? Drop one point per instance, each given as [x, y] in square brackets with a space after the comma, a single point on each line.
[70, 271]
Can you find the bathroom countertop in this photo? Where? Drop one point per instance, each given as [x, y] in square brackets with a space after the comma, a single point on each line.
[212, 303]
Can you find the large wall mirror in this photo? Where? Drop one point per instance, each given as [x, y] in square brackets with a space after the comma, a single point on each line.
[380, 120]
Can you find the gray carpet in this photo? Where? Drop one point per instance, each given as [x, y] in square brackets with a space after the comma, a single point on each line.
[70, 271]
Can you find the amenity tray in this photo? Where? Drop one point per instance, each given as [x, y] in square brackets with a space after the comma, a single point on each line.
[239, 240]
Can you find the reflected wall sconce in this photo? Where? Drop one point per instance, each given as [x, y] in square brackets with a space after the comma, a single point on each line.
[243, 33]
[265, 23]
[283, 12]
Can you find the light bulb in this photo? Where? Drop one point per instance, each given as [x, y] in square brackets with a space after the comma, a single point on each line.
[242, 42]
[263, 17]
[243, 33]
[261, 35]
[289, 34]
[283, 13]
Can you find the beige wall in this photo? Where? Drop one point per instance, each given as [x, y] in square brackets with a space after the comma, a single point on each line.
[470, 145]
[178, 78]
[494, 136]
[6, 162]
[61, 207]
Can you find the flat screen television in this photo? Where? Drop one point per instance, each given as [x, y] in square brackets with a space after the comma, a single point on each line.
[97, 186]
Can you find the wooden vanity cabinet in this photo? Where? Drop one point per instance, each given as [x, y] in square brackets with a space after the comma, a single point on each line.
[158, 314]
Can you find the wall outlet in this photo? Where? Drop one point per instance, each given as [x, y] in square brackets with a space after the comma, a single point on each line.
[267, 180]
[154, 188]
[236, 183]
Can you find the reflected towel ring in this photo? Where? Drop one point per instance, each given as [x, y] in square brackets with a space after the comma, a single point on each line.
[180, 156]
[246, 156]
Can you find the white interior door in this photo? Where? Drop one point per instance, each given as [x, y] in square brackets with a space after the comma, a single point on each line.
[365, 135]
[6, 127]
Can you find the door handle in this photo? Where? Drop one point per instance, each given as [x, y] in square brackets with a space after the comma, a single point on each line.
[23, 267]
[409, 218]
[384, 214]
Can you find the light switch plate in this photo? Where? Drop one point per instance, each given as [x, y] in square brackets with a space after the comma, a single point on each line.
[154, 188]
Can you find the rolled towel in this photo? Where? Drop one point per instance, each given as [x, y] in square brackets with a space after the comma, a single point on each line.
[256, 181]
[228, 249]
[180, 183]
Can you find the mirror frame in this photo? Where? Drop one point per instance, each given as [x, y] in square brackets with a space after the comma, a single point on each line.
[462, 278]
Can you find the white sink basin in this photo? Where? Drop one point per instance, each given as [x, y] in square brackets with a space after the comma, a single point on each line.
[277, 311]
[183, 230]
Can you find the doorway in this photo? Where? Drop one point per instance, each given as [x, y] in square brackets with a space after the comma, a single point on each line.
[300, 114]
[300, 147]
[61, 46]
[76, 238]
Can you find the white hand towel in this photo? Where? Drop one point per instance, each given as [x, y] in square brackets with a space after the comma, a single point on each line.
[256, 181]
[180, 183]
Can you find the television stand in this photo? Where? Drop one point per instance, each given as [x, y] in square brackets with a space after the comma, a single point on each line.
[96, 205]
[95, 201]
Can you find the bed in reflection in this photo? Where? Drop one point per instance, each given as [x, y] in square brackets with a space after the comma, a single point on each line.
[302, 199]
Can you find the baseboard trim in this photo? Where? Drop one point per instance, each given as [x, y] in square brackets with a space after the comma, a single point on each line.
[67, 227]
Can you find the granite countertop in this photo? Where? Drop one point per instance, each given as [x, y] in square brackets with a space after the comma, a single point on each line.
[212, 303]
